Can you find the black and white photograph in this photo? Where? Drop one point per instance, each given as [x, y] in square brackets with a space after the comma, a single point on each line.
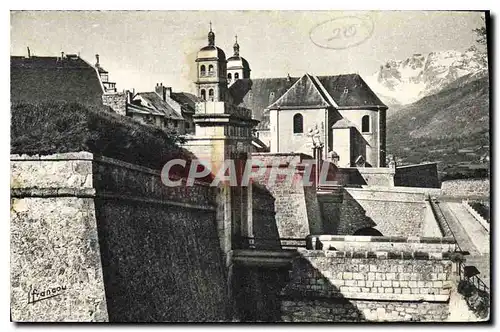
[250, 166]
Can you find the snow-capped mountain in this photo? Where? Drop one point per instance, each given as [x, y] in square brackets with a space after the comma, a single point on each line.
[406, 81]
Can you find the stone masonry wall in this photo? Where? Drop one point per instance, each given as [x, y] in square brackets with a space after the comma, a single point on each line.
[296, 207]
[55, 257]
[159, 245]
[367, 286]
[124, 246]
[420, 245]
[55, 252]
[376, 176]
[340, 310]
[390, 211]
[466, 188]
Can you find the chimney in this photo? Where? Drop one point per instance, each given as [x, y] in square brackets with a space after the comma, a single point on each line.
[97, 60]
[29, 53]
[62, 55]
[159, 90]
[163, 91]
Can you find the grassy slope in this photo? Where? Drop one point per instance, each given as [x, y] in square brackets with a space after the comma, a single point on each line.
[49, 128]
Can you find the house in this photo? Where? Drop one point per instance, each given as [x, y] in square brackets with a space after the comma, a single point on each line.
[66, 78]
[152, 108]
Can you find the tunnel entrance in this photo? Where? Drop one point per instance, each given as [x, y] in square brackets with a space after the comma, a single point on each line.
[369, 231]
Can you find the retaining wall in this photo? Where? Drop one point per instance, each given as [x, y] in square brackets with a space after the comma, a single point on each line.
[367, 286]
[125, 247]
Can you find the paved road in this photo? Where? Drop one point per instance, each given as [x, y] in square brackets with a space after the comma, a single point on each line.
[479, 237]
[471, 237]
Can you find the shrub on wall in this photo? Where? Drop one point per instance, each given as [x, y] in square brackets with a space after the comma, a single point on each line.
[477, 300]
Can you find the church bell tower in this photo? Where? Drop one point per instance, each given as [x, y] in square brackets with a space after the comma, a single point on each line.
[212, 70]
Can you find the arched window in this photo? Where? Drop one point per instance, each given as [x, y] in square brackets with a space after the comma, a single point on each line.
[298, 124]
[203, 94]
[210, 70]
[229, 76]
[236, 76]
[365, 124]
[211, 94]
[203, 70]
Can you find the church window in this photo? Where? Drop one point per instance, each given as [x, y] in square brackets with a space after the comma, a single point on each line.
[203, 70]
[229, 76]
[298, 124]
[210, 70]
[211, 94]
[365, 124]
[203, 94]
[236, 76]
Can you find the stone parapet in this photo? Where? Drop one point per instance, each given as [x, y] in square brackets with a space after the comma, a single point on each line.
[396, 246]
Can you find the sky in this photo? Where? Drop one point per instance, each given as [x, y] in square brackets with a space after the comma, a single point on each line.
[142, 48]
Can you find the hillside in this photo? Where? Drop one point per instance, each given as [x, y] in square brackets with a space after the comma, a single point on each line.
[451, 127]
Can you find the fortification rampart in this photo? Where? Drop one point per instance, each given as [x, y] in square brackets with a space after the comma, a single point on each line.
[124, 246]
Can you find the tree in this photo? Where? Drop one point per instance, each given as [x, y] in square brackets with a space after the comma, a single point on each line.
[481, 33]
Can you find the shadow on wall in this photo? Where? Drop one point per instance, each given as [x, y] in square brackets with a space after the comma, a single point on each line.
[354, 178]
[160, 263]
[310, 297]
[256, 293]
[265, 230]
[359, 148]
[368, 231]
[345, 217]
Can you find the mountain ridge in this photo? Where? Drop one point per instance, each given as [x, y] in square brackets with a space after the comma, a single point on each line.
[402, 82]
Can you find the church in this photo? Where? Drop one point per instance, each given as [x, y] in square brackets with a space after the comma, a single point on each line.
[346, 116]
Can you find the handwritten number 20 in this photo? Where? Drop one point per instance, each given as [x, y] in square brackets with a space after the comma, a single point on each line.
[346, 32]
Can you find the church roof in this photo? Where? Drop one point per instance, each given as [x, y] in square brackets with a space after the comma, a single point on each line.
[258, 94]
[211, 52]
[153, 101]
[350, 91]
[237, 62]
[47, 78]
[347, 91]
[305, 93]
